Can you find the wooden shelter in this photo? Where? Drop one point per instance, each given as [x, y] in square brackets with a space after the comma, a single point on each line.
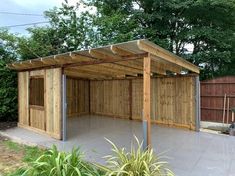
[134, 80]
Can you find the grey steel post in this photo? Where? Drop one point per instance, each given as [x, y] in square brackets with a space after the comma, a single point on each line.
[145, 132]
[198, 104]
[64, 108]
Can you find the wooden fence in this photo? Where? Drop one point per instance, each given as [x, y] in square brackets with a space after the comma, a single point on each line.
[172, 100]
[212, 98]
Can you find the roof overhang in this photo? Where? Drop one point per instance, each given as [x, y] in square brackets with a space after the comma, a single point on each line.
[112, 61]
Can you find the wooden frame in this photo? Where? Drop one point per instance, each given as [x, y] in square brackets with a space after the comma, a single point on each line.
[162, 60]
[122, 64]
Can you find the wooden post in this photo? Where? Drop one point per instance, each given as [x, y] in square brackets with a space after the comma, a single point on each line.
[224, 108]
[232, 116]
[228, 111]
[146, 97]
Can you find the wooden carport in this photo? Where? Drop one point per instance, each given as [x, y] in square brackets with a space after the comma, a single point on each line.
[139, 59]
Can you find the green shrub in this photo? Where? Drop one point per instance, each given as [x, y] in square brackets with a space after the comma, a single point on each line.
[8, 93]
[135, 163]
[55, 163]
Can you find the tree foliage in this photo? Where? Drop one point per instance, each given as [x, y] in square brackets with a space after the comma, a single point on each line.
[200, 30]
[205, 26]
[8, 78]
[68, 31]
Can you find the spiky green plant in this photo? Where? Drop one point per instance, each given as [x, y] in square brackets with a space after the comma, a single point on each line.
[55, 163]
[137, 162]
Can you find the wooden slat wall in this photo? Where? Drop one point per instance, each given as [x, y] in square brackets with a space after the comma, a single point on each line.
[53, 102]
[37, 118]
[172, 100]
[137, 98]
[23, 97]
[45, 119]
[110, 97]
[77, 97]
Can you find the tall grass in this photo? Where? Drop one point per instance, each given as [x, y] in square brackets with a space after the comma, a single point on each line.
[135, 163]
[55, 163]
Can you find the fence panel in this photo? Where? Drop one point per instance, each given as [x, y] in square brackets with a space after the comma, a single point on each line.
[212, 98]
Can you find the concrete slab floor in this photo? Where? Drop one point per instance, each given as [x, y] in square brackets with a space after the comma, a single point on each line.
[189, 153]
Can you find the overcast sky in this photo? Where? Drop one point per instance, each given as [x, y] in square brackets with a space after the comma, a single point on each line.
[28, 7]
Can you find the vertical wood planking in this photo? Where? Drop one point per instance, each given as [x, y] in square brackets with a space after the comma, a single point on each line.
[110, 97]
[23, 97]
[53, 102]
[77, 97]
[130, 98]
[37, 119]
[172, 101]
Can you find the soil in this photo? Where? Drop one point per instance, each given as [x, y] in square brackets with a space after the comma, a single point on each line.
[7, 125]
[10, 160]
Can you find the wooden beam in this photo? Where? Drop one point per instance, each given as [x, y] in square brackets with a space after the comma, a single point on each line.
[36, 62]
[78, 58]
[22, 65]
[110, 67]
[83, 75]
[166, 55]
[95, 62]
[158, 62]
[62, 59]
[102, 54]
[105, 69]
[146, 97]
[154, 68]
[84, 69]
[48, 61]
[120, 51]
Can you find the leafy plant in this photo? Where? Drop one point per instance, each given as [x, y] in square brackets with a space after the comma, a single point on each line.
[55, 163]
[135, 163]
[8, 78]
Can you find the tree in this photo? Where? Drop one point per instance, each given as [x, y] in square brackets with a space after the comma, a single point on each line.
[8, 78]
[69, 30]
[202, 31]
[205, 25]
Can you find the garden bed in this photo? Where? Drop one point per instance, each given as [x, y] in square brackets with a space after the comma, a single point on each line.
[7, 125]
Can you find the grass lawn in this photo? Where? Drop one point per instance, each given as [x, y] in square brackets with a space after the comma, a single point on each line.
[14, 156]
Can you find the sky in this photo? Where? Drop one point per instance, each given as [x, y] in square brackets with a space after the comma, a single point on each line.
[26, 7]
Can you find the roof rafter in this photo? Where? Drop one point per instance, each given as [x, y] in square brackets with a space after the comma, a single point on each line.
[120, 51]
[166, 55]
[121, 59]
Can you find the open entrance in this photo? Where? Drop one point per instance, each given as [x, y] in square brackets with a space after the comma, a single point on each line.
[102, 106]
